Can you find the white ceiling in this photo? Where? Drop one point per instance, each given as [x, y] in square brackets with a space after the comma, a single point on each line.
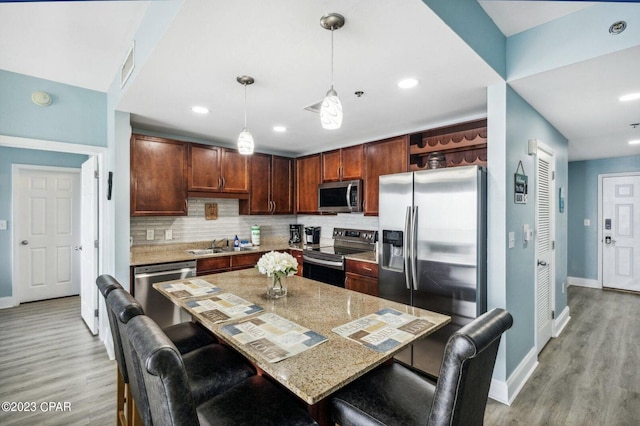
[281, 44]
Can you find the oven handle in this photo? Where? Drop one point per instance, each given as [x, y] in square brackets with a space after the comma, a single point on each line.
[328, 263]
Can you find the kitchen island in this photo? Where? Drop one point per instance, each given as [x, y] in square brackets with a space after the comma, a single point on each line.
[316, 373]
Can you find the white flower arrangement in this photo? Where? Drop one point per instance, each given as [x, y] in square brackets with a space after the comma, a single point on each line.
[277, 264]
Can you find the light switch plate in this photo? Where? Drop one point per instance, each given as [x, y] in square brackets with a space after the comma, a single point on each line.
[587, 222]
[168, 234]
[512, 239]
[3, 225]
[150, 235]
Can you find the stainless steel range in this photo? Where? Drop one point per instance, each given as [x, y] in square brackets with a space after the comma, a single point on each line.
[326, 264]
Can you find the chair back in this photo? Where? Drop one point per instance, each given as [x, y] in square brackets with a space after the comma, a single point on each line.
[465, 376]
[106, 283]
[163, 372]
[123, 308]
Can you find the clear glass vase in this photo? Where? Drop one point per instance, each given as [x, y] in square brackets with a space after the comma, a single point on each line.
[276, 286]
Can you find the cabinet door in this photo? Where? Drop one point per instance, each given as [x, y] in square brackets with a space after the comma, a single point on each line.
[204, 168]
[234, 171]
[352, 162]
[298, 256]
[331, 166]
[361, 284]
[158, 183]
[382, 158]
[212, 265]
[307, 181]
[282, 185]
[259, 184]
[245, 260]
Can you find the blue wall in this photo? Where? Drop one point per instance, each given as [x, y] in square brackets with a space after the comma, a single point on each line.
[583, 191]
[9, 156]
[524, 123]
[76, 115]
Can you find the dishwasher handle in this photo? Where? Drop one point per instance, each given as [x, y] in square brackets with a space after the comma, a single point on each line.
[171, 272]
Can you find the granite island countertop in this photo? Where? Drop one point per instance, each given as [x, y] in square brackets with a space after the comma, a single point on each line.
[316, 373]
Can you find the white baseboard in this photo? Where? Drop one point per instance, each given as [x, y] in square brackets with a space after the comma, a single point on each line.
[583, 282]
[561, 322]
[7, 302]
[506, 392]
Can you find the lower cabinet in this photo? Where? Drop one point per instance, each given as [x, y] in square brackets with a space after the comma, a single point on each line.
[361, 276]
[245, 260]
[213, 265]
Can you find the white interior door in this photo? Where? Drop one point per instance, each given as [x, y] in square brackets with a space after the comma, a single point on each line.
[621, 238]
[89, 251]
[49, 229]
[544, 247]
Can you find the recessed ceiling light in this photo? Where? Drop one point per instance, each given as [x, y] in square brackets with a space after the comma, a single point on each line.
[407, 83]
[630, 97]
[280, 129]
[200, 110]
[634, 142]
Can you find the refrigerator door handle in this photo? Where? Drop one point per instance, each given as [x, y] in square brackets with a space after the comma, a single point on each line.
[405, 246]
[414, 248]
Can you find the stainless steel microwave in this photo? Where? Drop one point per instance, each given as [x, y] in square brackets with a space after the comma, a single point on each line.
[340, 197]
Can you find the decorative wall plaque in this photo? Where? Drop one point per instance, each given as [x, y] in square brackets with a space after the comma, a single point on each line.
[211, 211]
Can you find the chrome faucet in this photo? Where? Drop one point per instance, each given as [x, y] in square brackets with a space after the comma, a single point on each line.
[220, 243]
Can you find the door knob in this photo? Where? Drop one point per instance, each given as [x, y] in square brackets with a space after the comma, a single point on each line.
[78, 248]
[24, 242]
[542, 263]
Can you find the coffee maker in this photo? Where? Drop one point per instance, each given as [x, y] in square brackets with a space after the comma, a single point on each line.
[312, 235]
[295, 233]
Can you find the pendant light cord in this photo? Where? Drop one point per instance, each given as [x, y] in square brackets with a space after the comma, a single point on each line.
[245, 105]
[332, 57]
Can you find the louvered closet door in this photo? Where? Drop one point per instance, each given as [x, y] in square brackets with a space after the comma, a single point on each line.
[544, 247]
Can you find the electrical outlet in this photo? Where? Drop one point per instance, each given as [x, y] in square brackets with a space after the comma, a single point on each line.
[150, 235]
[587, 222]
[564, 285]
[168, 234]
[3, 225]
[512, 239]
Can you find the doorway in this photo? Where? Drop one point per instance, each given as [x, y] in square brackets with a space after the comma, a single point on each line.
[619, 230]
[545, 245]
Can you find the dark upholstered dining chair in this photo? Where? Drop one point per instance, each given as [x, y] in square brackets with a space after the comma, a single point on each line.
[395, 395]
[210, 370]
[187, 336]
[255, 401]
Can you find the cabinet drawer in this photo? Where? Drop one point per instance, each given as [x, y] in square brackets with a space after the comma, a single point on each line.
[242, 261]
[212, 264]
[361, 268]
[362, 284]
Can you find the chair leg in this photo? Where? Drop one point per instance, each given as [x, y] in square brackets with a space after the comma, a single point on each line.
[120, 399]
[136, 420]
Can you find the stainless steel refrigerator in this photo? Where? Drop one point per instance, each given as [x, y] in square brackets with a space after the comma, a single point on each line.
[432, 227]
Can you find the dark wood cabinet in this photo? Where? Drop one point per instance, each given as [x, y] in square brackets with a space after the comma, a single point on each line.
[245, 260]
[158, 177]
[343, 164]
[361, 276]
[308, 177]
[382, 158]
[297, 254]
[213, 265]
[213, 169]
[271, 186]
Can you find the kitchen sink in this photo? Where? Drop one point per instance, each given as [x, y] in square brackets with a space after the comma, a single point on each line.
[204, 252]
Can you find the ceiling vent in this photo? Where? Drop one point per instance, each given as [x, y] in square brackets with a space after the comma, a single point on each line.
[314, 107]
[128, 65]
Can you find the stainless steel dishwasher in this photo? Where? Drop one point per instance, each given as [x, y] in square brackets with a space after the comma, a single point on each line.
[155, 305]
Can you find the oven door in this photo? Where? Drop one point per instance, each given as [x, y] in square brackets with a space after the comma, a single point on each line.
[329, 272]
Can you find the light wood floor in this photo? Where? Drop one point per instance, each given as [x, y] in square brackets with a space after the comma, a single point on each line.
[48, 355]
[590, 375]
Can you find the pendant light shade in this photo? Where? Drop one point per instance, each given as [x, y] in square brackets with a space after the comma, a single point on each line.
[245, 139]
[331, 109]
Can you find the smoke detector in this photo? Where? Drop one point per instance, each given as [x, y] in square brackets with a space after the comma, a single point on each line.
[42, 99]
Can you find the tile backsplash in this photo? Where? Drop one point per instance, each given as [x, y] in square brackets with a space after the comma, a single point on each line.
[194, 226]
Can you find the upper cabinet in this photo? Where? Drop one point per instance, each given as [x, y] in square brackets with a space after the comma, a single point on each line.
[217, 170]
[308, 177]
[343, 164]
[271, 188]
[158, 177]
[382, 158]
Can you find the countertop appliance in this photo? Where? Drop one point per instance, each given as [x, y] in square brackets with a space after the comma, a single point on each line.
[295, 233]
[432, 227]
[326, 264]
[155, 305]
[312, 235]
[340, 197]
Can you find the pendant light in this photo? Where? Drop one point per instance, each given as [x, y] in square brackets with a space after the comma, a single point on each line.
[245, 139]
[331, 109]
